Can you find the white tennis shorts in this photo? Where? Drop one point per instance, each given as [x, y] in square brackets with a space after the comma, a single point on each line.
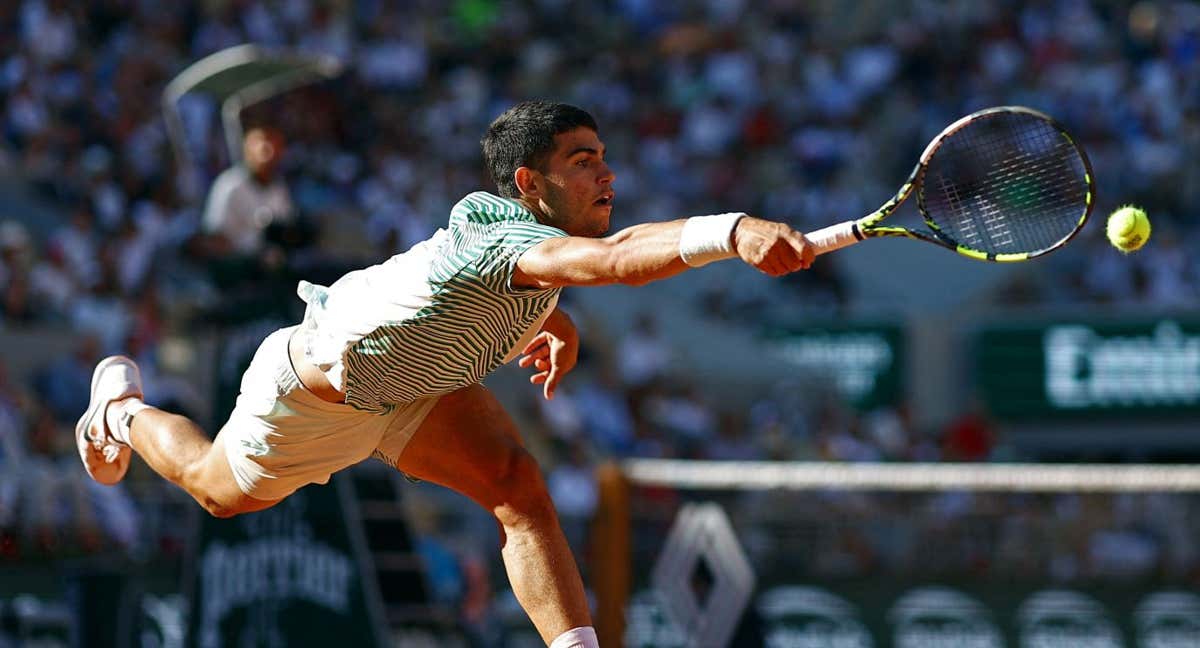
[281, 437]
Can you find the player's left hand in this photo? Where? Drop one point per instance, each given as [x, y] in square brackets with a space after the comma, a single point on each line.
[551, 353]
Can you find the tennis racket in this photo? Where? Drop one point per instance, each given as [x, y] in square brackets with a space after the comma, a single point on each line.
[1001, 184]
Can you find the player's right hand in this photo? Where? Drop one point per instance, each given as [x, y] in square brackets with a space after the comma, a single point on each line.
[773, 248]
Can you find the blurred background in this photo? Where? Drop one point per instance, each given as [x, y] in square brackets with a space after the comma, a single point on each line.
[355, 128]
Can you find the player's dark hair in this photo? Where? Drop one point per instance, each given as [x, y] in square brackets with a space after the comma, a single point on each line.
[524, 136]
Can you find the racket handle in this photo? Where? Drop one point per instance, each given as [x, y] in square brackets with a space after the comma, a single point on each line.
[834, 237]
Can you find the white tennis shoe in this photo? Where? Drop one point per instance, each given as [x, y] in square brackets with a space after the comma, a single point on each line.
[105, 458]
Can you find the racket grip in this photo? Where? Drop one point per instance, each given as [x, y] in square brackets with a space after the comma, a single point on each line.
[834, 237]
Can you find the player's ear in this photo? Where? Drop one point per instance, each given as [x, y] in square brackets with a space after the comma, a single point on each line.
[529, 182]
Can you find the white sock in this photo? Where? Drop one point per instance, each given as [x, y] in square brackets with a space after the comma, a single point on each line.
[119, 415]
[584, 637]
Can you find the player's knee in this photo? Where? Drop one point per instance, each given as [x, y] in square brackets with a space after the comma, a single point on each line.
[229, 506]
[221, 509]
[522, 496]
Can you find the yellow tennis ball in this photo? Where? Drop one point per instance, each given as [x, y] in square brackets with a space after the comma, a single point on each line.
[1128, 228]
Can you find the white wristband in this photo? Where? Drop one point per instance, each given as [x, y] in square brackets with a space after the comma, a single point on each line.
[708, 238]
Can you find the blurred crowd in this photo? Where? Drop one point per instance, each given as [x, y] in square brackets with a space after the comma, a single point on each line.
[791, 109]
[1059, 538]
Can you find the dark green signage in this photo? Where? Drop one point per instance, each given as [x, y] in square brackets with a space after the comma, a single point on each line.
[861, 362]
[292, 575]
[1072, 368]
[286, 576]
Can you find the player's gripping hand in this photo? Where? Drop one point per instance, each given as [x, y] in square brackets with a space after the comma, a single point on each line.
[552, 353]
[773, 248]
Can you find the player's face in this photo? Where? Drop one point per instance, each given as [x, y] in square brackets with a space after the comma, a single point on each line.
[578, 189]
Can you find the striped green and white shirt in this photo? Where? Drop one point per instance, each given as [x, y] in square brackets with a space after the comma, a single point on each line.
[438, 317]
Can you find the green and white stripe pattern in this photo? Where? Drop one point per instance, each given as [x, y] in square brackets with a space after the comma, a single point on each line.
[473, 318]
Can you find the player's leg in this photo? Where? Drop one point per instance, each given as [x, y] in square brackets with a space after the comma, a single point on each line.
[117, 421]
[178, 449]
[469, 444]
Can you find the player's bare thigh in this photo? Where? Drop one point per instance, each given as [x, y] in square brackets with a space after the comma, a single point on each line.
[465, 443]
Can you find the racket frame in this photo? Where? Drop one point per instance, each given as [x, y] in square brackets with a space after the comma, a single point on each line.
[849, 232]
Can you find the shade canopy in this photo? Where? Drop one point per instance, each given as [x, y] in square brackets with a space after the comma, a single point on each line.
[238, 77]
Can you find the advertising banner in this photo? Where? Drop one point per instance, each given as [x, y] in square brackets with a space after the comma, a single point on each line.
[889, 614]
[1076, 369]
[286, 576]
[862, 362]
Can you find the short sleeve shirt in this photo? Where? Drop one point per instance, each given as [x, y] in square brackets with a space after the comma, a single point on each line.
[435, 318]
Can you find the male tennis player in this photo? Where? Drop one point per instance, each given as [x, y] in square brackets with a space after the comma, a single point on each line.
[388, 360]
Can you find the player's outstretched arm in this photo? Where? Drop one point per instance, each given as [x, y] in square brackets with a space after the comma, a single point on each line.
[651, 251]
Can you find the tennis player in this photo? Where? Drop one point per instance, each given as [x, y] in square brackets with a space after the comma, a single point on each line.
[388, 360]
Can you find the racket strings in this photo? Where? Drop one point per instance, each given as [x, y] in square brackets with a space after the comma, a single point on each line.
[1007, 167]
[1005, 183]
[1037, 158]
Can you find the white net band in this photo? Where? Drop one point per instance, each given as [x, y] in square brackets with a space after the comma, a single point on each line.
[1043, 478]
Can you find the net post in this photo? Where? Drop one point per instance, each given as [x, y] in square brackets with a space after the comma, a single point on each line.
[611, 554]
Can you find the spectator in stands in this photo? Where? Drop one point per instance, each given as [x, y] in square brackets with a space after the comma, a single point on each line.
[12, 457]
[573, 487]
[680, 410]
[48, 29]
[606, 415]
[969, 437]
[51, 284]
[56, 508]
[248, 197]
[64, 385]
[643, 355]
[890, 429]
[1168, 273]
[15, 249]
[734, 441]
[643, 358]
